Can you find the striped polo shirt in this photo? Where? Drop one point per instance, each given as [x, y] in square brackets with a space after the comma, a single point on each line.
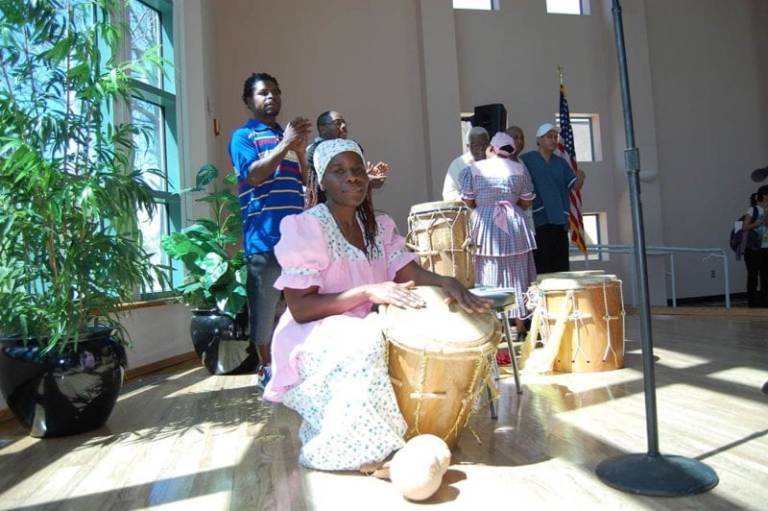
[281, 194]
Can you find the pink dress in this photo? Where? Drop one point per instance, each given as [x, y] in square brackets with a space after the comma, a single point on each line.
[333, 371]
[502, 235]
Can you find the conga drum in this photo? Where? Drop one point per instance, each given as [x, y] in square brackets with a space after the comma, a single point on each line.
[440, 359]
[593, 306]
[439, 232]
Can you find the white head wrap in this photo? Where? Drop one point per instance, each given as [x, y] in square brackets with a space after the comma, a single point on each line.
[327, 149]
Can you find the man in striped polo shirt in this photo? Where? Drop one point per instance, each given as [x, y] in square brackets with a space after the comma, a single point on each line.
[269, 162]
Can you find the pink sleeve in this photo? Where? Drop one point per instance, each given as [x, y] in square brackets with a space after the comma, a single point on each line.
[395, 251]
[302, 252]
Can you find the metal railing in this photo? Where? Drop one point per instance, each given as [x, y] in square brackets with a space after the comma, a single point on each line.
[664, 252]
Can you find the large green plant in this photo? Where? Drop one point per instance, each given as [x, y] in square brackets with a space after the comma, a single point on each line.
[70, 248]
[216, 271]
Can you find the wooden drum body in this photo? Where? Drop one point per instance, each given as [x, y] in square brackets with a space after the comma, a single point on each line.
[440, 233]
[593, 339]
[439, 361]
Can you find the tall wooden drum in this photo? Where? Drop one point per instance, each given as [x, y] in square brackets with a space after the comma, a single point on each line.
[593, 339]
[439, 362]
[440, 233]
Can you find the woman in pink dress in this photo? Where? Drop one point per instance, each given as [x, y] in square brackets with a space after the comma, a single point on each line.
[500, 189]
[338, 259]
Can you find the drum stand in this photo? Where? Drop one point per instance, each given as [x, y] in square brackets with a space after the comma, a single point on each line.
[503, 302]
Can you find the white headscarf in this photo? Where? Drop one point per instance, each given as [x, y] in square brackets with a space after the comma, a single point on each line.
[327, 149]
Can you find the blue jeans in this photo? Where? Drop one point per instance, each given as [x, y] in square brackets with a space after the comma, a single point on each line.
[263, 271]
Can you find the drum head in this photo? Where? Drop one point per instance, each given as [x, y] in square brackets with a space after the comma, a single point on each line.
[564, 284]
[426, 207]
[568, 274]
[438, 326]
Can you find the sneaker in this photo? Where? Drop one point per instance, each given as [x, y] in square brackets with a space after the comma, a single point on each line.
[263, 375]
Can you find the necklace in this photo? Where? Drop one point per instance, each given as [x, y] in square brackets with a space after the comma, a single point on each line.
[348, 234]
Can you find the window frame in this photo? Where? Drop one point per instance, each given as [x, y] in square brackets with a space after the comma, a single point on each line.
[584, 9]
[493, 5]
[602, 236]
[165, 98]
[595, 142]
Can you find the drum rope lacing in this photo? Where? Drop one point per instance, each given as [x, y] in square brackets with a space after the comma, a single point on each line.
[607, 317]
[534, 299]
[430, 251]
[471, 396]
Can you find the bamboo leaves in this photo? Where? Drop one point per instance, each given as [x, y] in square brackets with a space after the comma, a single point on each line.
[69, 254]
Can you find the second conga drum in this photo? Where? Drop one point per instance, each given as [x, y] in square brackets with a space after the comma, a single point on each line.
[440, 233]
[593, 338]
[439, 361]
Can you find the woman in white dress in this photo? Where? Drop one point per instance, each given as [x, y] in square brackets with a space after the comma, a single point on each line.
[339, 259]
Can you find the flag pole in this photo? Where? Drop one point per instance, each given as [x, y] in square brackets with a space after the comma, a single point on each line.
[575, 222]
[650, 473]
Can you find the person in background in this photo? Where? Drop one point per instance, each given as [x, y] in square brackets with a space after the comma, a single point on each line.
[269, 162]
[499, 189]
[518, 136]
[756, 252]
[332, 125]
[552, 180]
[476, 144]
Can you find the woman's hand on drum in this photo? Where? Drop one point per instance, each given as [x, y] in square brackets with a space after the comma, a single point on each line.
[466, 300]
[392, 293]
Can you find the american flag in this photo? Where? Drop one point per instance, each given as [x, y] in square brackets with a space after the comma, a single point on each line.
[565, 150]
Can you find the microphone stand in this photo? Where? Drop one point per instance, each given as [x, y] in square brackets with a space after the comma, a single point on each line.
[650, 473]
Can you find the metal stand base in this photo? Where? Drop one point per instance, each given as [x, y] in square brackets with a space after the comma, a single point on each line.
[657, 476]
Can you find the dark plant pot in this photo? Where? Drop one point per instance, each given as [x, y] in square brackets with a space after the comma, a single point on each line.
[62, 393]
[222, 343]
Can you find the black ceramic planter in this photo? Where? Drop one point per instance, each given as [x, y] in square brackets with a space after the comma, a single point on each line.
[222, 343]
[62, 393]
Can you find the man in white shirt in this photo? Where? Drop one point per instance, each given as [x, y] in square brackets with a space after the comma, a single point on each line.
[477, 142]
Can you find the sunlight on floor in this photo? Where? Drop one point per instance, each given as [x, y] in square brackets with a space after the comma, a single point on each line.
[744, 376]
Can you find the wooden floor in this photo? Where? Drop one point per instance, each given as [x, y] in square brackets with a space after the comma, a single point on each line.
[187, 440]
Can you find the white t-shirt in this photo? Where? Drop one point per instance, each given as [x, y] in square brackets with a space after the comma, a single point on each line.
[451, 183]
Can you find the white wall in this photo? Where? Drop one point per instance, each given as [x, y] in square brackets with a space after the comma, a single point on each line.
[531, 44]
[360, 58]
[709, 83]
[406, 70]
[698, 80]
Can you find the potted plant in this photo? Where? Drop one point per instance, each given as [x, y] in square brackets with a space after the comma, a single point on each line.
[70, 248]
[215, 279]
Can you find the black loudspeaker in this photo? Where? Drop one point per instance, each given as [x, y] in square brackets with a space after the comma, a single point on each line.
[491, 117]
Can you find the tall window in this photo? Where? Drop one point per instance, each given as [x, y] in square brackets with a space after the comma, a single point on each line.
[586, 136]
[478, 5]
[153, 109]
[568, 6]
